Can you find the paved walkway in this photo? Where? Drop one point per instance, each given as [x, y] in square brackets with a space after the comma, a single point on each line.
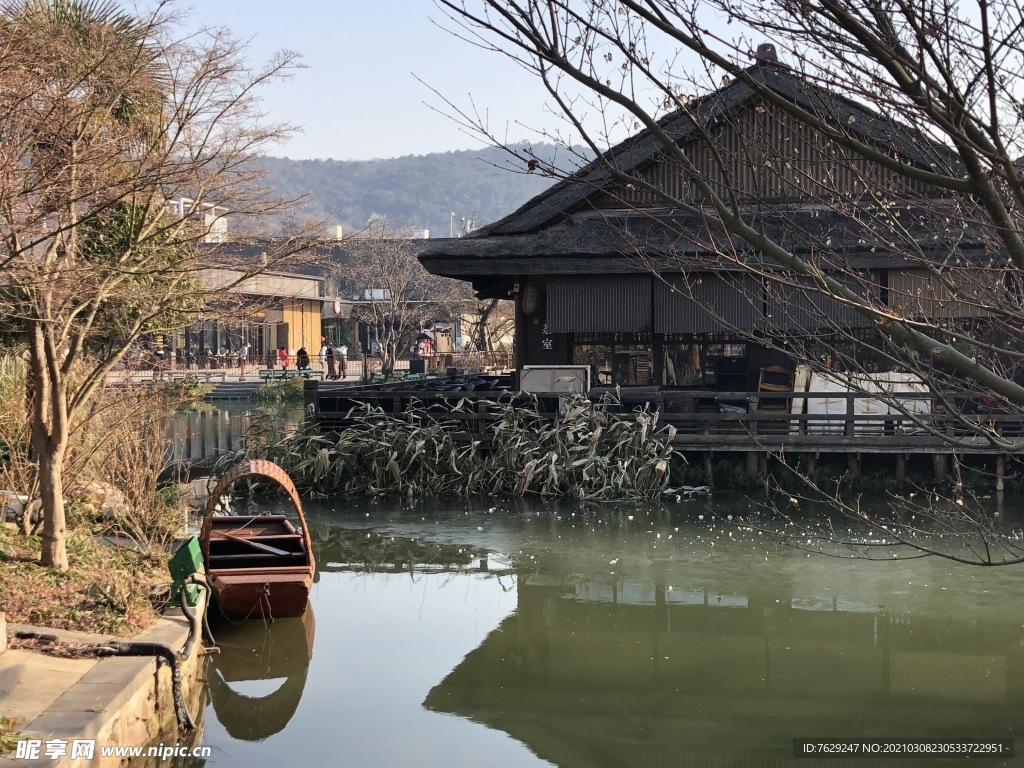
[31, 682]
[88, 698]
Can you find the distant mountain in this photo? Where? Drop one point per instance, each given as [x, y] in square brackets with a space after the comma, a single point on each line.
[420, 191]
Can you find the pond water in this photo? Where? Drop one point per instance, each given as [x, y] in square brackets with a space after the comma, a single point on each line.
[516, 634]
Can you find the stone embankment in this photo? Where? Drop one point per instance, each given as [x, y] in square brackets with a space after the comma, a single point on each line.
[123, 701]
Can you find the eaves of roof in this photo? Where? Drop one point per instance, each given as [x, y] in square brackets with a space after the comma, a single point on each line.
[633, 242]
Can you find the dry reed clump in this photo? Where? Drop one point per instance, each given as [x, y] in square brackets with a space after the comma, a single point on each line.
[591, 451]
[124, 444]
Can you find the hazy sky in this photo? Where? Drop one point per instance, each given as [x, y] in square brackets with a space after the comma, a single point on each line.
[359, 97]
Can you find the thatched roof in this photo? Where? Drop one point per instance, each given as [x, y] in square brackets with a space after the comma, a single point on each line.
[856, 119]
[559, 232]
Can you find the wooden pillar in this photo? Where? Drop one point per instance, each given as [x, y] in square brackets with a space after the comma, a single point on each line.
[810, 464]
[709, 472]
[1000, 473]
[752, 462]
[762, 464]
[520, 334]
[311, 399]
[853, 462]
[658, 355]
[939, 464]
[901, 470]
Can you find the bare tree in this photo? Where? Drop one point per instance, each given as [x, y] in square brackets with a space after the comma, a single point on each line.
[107, 117]
[396, 296]
[878, 135]
[492, 325]
[930, 193]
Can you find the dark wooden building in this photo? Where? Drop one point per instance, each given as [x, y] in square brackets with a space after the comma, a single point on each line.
[604, 274]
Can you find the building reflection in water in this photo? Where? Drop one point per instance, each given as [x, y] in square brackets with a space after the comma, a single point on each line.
[622, 672]
[646, 642]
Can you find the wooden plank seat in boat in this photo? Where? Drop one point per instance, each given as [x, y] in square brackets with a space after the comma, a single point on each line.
[274, 549]
[224, 546]
[257, 560]
[220, 540]
[298, 556]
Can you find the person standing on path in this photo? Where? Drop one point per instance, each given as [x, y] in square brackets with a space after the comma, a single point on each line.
[342, 352]
[243, 357]
[332, 371]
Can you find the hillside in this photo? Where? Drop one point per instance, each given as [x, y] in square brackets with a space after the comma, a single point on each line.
[420, 191]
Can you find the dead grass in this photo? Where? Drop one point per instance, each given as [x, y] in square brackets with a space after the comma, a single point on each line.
[106, 590]
[9, 733]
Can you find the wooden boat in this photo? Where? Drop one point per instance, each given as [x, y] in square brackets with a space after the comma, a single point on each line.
[257, 566]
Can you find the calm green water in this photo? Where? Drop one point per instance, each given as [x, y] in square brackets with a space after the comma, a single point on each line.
[529, 635]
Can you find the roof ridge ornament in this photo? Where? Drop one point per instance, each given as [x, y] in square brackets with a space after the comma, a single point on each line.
[766, 54]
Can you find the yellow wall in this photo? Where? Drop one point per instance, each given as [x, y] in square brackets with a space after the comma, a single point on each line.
[304, 328]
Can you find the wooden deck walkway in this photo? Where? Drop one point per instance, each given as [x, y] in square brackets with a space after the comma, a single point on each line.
[701, 428]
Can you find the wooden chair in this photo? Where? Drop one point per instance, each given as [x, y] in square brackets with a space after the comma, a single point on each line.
[775, 378]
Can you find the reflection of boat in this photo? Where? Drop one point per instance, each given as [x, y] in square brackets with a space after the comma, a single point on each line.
[257, 565]
[251, 652]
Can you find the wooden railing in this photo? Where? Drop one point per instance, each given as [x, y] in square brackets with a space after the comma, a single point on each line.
[701, 425]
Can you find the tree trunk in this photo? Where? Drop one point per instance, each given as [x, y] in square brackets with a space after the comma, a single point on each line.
[387, 357]
[50, 428]
[51, 492]
[484, 340]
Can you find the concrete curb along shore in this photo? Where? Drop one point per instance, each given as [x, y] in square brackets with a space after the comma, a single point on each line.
[119, 701]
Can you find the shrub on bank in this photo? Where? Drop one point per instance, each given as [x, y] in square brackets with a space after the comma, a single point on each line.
[288, 391]
[120, 442]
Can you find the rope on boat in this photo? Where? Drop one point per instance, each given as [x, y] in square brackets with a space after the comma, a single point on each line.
[263, 604]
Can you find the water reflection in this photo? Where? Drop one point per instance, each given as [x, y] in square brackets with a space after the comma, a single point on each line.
[251, 652]
[341, 550]
[203, 436]
[618, 636]
[628, 672]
